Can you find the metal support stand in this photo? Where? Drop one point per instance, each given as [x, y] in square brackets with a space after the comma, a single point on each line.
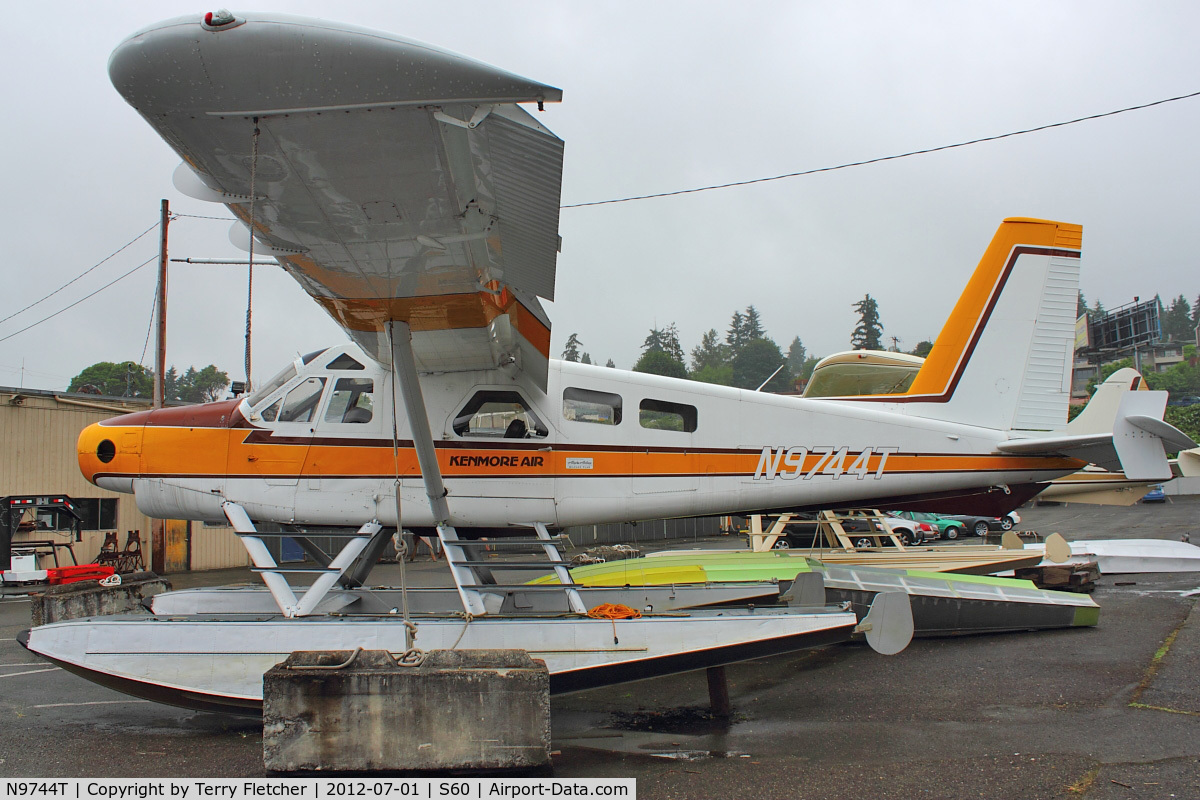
[718, 692]
[273, 574]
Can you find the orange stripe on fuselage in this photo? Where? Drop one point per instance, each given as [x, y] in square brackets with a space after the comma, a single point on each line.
[209, 452]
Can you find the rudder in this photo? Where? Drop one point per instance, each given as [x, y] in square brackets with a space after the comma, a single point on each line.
[1003, 358]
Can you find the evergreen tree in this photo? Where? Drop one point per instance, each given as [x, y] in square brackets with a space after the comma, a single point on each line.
[710, 352]
[721, 374]
[756, 361]
[201, 386]
[1177, 322]
[868, 334]
[1098, 309]
[923, 347]
[797, 355]
[653, 342]
[585, 359]
[611, 364]
[128, 379]
[665, 341]
[1080, 305]
[171, 384]
[751, 325]
[670, 343]
[571, 352]
[657, 362]
[735, 336]
[743, 329]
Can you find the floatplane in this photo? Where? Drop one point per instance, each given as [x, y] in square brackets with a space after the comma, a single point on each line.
[412, 195]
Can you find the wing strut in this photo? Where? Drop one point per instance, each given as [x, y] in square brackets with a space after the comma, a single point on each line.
[405, 368]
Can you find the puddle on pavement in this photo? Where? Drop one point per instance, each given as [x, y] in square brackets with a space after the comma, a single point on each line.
[686, 721]
[695, 755]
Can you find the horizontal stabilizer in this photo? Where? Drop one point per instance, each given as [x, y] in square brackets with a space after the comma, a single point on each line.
[1142, 438]
[1120, 430]
[1095, 448]
[1172, 438]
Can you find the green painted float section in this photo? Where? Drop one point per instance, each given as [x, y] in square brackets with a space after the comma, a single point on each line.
[737, 566]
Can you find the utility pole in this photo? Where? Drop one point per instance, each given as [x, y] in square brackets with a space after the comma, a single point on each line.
[160, 346]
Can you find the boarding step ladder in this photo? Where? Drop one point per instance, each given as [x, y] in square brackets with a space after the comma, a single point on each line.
[473, 572]
[369, 539]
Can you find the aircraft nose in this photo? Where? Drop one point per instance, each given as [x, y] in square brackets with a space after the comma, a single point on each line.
[108, 455]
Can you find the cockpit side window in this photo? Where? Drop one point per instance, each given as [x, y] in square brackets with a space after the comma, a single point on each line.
[499, 415]
[302, 400]
[351, 401]
[271, 412]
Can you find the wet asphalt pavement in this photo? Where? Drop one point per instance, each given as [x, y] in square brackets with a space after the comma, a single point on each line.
[1107, 712]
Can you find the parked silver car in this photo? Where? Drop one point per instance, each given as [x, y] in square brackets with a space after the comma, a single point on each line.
[981, 525]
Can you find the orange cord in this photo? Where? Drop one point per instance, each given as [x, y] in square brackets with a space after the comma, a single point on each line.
[614, 611]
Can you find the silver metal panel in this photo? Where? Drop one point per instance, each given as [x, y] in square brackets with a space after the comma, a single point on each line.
[527, 171]
[1046, 390]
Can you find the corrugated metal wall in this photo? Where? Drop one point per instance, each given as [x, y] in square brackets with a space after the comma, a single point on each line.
[38, 431]
[644, 532]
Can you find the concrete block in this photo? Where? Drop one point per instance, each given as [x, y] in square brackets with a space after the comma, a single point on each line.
[458, 710]
[90, 599]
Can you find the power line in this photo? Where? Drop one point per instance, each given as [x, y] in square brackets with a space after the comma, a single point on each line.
[80, 275]
[28, 371]
[886, 158]
[198, 216]
[80, 300]
[149, 327]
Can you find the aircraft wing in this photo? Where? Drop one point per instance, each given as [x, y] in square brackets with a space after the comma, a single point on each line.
[393, 180]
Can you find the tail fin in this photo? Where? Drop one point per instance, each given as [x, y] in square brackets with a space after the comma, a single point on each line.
[1003, 358]
[1121, 429]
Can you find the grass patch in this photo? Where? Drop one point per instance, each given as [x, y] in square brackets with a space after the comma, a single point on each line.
[1084, 783]
[1163, 708]
[1155, 663]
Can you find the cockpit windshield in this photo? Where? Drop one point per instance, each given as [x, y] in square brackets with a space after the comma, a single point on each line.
[284, 375]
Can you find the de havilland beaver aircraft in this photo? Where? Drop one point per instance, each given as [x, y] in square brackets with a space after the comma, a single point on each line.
[413, 197]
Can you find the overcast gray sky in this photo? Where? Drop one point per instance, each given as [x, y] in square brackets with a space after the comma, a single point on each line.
[657, 97]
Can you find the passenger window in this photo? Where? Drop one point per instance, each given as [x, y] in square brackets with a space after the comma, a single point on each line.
[351, 401]
[661, 415]
[301, 401]
[499, 415]
[586, 405]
